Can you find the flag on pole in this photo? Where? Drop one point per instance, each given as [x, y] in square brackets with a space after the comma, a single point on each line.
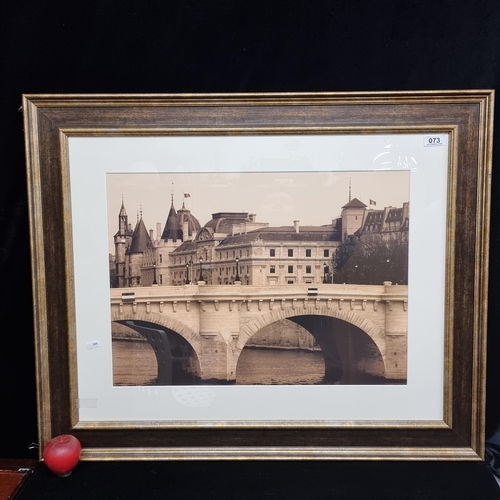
[374, 203]
[187, 195]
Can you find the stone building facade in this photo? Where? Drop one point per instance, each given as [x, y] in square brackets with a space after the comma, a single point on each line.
[370, 225]
[235, 247]
[385, 225]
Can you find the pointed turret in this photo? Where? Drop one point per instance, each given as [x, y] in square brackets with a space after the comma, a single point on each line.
[122, 241]
[122, 220]
[141, 240]
[123, 212]
[173, 229]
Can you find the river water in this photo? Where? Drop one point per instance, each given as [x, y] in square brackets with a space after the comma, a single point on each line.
[280, 366]
[134, 363]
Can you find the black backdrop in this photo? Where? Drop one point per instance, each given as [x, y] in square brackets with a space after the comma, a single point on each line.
[218, 46]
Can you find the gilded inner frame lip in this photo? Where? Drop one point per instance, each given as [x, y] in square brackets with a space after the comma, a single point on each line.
[465, 116]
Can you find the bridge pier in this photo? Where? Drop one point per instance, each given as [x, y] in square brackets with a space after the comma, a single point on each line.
[218, 363]
[219, 329]
[395, 340]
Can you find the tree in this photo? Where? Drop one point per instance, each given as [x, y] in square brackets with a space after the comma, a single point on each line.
[371, 263]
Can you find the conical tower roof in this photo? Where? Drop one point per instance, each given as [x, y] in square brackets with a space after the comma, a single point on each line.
[123, 212]
[172, 230]
[140, 239]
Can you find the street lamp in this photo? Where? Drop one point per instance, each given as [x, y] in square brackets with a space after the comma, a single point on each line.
[324, 272]
[201, 270]
[154, 274]
[237, 270]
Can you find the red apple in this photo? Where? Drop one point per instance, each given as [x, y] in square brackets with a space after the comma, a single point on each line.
[62, 453]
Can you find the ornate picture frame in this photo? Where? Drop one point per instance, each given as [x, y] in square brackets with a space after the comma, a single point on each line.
[442, 139]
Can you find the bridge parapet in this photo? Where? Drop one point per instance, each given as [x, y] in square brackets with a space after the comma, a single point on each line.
[246, 292]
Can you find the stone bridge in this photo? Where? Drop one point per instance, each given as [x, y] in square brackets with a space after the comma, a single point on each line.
[217, 321]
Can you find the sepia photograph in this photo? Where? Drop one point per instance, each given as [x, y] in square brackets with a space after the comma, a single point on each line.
[259, 278]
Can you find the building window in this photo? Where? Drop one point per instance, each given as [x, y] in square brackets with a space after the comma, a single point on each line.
[290, 269]
[161, 258]
[161, 279]
[248, 252]
[290, 252]
[138, 281]
[272, 252]
[272, 269]
[308, 269]
[308, 252]
[326, 253]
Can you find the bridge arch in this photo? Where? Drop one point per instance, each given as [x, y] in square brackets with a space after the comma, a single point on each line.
[373, 331]
[369, 327]
[183, 330]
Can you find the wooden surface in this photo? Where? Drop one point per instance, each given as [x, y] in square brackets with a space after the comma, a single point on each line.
[10, 482]
[13, 474]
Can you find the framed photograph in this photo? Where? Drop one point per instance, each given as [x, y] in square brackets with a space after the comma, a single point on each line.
[261, 276]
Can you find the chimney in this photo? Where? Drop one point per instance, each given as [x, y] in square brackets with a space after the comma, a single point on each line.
[296, 225]
[158, 230]
[406, 210]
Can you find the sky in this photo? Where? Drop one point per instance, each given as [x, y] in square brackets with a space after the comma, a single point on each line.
[279, 198]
